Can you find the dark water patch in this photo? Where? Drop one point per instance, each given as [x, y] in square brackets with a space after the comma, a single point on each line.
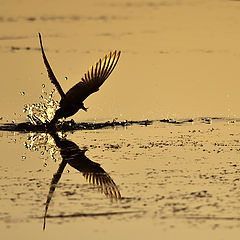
[62, 18]
[72, 126]
[31, 19]
[15, 48]
[144, 4]
[192, 217]
[108, 34]
[207, 51]
[82, 18]
[12, 37]
[163, 52]
[21, 127]
[104, 214]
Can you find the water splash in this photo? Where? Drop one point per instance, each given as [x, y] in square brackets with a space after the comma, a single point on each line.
[43, 143]
[42, 112]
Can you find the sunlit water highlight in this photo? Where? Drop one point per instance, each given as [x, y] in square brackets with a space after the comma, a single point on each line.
[175, 175]
[42, 112]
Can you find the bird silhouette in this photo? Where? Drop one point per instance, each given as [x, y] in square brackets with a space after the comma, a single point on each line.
[92, 171]
[72, 101]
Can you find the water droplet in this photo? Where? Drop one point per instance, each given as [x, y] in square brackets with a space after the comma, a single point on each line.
[43, 86]
[22, 93]
[13, 121]
[41, 97]
[45, 164]
[66, 78]
[23, 157]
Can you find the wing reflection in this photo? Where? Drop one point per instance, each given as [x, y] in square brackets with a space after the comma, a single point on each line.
[92, 171]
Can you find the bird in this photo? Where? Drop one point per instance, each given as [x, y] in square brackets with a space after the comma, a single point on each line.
[72, 101]
[93, 173]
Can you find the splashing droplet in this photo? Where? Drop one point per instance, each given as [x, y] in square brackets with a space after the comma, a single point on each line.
[22, 93]
[23, 157]
[66, 78]
[13, 121]
[45, 164]
[43, 111]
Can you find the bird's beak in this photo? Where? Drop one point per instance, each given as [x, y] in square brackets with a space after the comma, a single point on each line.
[85, 109]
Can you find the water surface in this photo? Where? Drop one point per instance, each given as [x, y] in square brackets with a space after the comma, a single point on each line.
[164, 127]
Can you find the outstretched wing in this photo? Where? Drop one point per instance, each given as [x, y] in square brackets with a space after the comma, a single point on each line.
[49, 70]
[93, 78]
[92, 172]
[54, 182]
[98, 177]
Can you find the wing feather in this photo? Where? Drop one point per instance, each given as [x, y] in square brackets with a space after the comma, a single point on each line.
[115, 63]
[108, 59]
[85, 79]
[92, 73]
[49, 70]
[97, 68]
[89, 77]
[93, 78]
[103, 68]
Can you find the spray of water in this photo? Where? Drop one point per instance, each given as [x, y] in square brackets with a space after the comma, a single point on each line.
[42, 112]
[42, 143]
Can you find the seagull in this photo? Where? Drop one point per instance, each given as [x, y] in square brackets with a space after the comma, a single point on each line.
[72, 101]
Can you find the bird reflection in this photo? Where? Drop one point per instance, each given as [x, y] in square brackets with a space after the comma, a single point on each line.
[92, 171]
[72, 101]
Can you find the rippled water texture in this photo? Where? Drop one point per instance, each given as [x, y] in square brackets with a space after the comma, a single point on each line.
[157, 153]
[165, 177]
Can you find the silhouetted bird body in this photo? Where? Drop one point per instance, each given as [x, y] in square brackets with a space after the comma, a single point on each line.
[72, 101]
[91, 171]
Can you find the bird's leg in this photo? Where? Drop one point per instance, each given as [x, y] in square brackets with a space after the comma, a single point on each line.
[51, 126]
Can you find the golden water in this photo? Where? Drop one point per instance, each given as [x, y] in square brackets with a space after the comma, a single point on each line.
[173, 179]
